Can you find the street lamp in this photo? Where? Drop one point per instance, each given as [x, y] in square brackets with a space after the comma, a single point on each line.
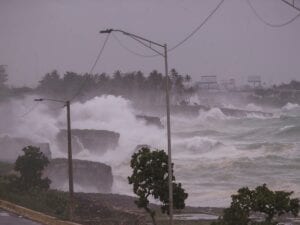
[70, 162]
[142, 41]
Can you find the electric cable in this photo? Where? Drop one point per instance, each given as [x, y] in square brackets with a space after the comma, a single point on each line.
[291, 4]
[92, 68]
[81, 87]
[31, 109]
[198, 27]
[268, 23]
[34, 107]
[128, 49]
[180, 42]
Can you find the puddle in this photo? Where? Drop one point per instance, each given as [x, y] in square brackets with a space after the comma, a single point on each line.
[195, 216]
[4, 214]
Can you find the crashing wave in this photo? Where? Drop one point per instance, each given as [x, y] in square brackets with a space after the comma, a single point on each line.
[253, 107]
[197, 144]
[290, 106]
[212, 114]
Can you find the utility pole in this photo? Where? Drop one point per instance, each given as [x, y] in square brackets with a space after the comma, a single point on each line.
[70, 160]
[148, 44]
[70, 163]
[170, 172]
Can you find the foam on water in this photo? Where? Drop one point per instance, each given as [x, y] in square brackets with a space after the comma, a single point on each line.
[211, 115]
[38, 125]
[253, 107]
[116, 114]
[243, 152]
[290, 106]
[214, 154]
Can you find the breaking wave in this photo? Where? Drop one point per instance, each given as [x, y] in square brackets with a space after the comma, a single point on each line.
[211, 115]
[214, 154]
[253, 107]
[290, 106]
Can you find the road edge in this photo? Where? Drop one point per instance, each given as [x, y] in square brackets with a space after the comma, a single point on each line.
[33, 215]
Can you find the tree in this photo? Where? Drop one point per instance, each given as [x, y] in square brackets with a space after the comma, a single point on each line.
[260, 200]
[3, 76]
[51, 84]
[30, 166]
[150, 179]
[4, 90]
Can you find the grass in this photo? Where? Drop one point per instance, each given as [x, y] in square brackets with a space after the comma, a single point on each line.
[5, 168]
[50, 202]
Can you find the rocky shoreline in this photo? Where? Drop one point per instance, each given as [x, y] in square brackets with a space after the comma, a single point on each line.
[121, 209]
[94, 208]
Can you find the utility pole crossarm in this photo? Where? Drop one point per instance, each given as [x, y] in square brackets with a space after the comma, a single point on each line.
[139, 37]
[48, 99]
[141, 42]
[136, 38]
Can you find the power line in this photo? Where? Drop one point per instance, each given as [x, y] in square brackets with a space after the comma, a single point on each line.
[180, 42]
[92, 68]
[268, 23]
[291, 4]
[128, 49]
[29, 110]
[34, 107]
[79, 90]
[198, 27]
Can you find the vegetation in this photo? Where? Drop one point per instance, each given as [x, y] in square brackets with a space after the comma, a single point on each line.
[3, 76]
[28, 188]
[261, 200]
[31, 166]
[293, 85]
[278, 95]
[142, 89]
[150, 179]
[51, 202]
[132, 85]
[5, 168]
[135, 86]
[3, 79]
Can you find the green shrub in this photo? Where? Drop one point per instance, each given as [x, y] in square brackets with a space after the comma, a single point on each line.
[260, 200]
[29, 189]
[31, 166]
[150, 179]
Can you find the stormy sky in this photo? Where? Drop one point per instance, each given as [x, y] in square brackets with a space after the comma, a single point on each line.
[38, 36]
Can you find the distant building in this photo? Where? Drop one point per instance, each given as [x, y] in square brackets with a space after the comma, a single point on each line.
[254, 81]
[3, 68]
[208, 82]
[228, 84]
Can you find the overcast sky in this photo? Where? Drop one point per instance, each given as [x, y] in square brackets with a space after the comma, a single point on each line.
[38, 36]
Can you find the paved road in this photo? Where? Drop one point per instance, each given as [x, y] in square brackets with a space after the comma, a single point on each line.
[12, 219]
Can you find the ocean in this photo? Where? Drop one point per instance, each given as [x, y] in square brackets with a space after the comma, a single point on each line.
[214, 154]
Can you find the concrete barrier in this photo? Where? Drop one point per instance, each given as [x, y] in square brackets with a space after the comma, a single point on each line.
[33, 215]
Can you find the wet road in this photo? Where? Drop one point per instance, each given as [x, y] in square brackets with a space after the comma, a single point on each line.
[12, 219]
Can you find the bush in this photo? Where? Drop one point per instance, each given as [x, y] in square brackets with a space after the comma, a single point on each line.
[51, 202]
[260, 200]
[150, 178]
[31, 166]
[29, 189]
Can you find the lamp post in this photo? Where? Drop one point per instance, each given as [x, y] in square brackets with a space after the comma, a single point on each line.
[70, 161]
[143, 41]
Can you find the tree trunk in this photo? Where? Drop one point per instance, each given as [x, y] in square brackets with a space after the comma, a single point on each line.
[153, 219]
[152, 215]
